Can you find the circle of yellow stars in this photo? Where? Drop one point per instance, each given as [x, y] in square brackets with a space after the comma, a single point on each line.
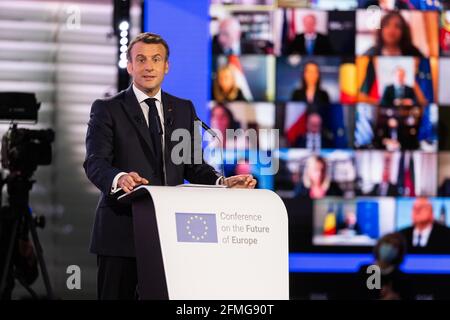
[200, 236]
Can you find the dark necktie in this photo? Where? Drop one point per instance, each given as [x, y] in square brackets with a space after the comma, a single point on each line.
[155, 130]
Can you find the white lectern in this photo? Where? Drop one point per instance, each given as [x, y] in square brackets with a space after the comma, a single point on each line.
[199, 242]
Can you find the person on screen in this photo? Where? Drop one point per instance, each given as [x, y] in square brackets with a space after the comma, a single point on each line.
[228, 40]
[391, 136]
[316, 136]
[241, 166]
[426, 233]
[393, 38]
[222, 119]
[350, 225]
[385, 188]
[400, 115]
[310, 42]
[225, 88]
[398, 94]
[316, 182]
[124, 149]
[389, 254]
[310, 91]
[344, 179]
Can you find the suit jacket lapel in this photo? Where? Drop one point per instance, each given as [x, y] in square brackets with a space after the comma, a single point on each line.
[168, 113]
[134, 112]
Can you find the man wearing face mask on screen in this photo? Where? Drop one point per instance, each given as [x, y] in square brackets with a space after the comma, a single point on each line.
[128, 143]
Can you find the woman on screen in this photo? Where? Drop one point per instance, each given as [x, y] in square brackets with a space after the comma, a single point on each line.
[393, 38]
[222, 119]
[315, 182]
[225, 88]
[310, 91]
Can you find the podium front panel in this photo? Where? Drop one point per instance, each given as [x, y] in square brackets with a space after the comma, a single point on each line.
[213, 243]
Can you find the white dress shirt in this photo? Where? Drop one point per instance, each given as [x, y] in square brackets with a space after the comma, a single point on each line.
[310, 36]
[141, 97]
[236, 48]
[313, 141]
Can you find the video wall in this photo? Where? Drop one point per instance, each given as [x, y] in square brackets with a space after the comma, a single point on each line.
[359, 93]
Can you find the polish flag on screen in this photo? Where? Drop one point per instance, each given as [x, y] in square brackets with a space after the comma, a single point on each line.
[295, 121]
[239, 76]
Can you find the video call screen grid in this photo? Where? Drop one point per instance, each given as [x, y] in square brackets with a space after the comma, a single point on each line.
[359, 93]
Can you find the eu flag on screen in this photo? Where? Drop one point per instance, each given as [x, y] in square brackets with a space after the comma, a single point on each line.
[334, 121]
[196, 227]
[427, 130]
[423, 79]
[367, 216]
[423, 4]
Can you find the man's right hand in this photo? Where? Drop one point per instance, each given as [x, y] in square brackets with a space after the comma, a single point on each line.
[130, 180]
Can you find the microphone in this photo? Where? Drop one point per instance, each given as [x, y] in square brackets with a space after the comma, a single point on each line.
[207, 128]
[215, 136]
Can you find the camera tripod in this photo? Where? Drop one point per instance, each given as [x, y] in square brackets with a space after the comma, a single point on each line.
[18, 188]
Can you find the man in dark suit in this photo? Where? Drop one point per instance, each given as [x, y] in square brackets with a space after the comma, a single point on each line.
[385, 188]
[316, 137]
[426, 234]
[128, 143]
[399, 94]
[400, 115]
[229, 40]
[310, 42]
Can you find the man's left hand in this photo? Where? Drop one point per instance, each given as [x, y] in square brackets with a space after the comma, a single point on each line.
[243, 181]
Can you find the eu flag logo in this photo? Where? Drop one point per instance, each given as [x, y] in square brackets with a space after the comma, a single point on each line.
[196, 227]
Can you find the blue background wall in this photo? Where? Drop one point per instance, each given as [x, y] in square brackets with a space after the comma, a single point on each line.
[185, 26]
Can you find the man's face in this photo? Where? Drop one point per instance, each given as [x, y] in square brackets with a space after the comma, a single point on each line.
[220, 120]
[309, 24]
[314, 123]
[422, 213]
[400, 76]
[229, 34]
[148, 66]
